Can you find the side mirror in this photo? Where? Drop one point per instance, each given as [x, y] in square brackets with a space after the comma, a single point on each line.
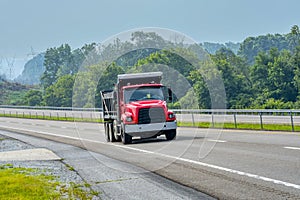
[168, 94]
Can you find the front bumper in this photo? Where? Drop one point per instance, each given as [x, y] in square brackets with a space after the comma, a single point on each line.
[148, 130]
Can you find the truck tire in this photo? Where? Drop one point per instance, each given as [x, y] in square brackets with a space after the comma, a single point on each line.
[171, 134]
[111, 132]
[116, 131]
[126, 138]
[106, 132]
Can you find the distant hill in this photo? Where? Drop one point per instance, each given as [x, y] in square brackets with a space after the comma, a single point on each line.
[33, 70]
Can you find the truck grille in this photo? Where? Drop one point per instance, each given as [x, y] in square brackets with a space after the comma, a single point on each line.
[151, 115]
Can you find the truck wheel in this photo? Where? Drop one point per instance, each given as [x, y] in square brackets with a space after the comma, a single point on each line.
[106, 130]
[126, 139]
[116, 131]
[111, 132]
[171, 134]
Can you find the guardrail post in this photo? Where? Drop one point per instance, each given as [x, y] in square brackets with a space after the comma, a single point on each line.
[193, 120]
[212, 119]
[234, 117]
[261, 121]
[292, 121]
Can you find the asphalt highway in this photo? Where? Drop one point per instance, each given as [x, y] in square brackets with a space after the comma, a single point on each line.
[226, 164]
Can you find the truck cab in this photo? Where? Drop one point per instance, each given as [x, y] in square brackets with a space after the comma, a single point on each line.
[137, 108]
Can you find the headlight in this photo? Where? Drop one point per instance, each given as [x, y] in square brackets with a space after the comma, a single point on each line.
[171, 115]
[128, 118]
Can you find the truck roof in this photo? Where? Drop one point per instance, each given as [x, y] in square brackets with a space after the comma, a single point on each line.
[139, 75]
[139, 78]
[143, 85]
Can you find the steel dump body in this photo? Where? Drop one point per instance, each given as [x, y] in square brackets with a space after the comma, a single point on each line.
[137, 108]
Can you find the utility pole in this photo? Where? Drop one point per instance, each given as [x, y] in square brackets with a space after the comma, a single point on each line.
[10, 64]
[31, 54]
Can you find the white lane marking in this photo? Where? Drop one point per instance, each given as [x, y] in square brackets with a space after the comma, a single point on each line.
[173, 157]
[293, 148]
[220, 141]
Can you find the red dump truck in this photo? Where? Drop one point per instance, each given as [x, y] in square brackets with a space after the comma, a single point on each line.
[137, 108]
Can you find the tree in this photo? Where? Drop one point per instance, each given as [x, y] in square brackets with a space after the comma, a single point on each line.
[251, 46]
[273, 77]
[107, 81]
[60, 93]
[175, 59]
[201, 89]
[281, 75]
[33, 98]
[56, 58]
[237, 85]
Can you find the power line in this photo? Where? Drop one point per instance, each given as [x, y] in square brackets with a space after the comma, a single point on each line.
[10, 64]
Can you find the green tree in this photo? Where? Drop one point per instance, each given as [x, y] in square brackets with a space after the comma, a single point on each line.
[273, 77]
[33, 98]
[281, 78]
[201, 89]
[60, 93]
[57, 63]
[295, 60]
[237, 85]
[107, 81]
[251, 46]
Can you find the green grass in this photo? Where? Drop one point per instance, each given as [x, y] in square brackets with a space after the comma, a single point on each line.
[244, 126]
[55, 117]
[26, 184]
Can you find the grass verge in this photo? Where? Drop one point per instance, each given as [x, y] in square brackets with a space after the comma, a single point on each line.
[243, 126]
[56, 118]
[27, 184]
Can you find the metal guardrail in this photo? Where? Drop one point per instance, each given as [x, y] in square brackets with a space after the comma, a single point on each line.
[50, 108]
[265, 111]
[259, 116]
[213, 116]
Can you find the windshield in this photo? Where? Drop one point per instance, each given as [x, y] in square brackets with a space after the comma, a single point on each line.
[143, 93]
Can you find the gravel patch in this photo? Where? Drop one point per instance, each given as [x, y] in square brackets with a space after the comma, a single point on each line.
[57, 168]
[9, 144]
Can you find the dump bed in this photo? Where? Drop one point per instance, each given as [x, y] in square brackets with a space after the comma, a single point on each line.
[109, 104]
[139, 78]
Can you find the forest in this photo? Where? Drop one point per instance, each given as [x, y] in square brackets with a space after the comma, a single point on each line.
[264, 73]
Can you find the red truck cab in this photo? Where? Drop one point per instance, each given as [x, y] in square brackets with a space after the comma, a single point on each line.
[141, 111]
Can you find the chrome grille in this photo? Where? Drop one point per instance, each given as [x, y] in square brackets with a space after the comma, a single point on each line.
[151, 115]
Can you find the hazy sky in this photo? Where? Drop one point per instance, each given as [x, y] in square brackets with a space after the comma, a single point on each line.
[40, 24]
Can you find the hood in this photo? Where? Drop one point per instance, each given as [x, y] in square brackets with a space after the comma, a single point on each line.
[147, 103]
